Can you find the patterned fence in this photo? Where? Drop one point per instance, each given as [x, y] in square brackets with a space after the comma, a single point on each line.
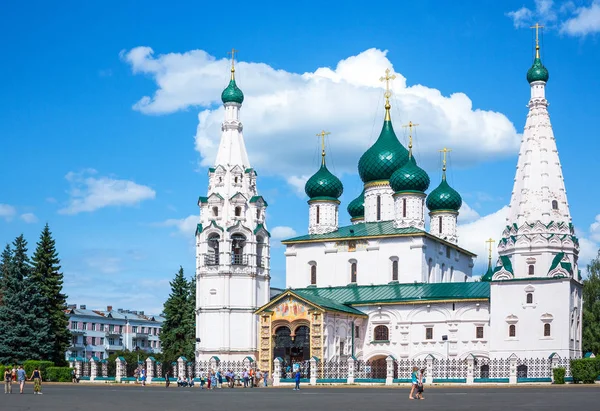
[485, 368]
[333, 370]
[375, 370]
[403, 368]
[450, 368]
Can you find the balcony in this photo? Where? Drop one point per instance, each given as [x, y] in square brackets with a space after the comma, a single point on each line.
[211, 259]
[113, 333]
[113, 347]
[78, 332]
[139, 335]
[239, 259]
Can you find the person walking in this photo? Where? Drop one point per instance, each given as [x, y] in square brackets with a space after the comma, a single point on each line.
[7, 381]
[143, 377]
[297, 387]
[21, 377]
[266, 377]
[414, 379]
[167, 381]
[421, 381]
[36, 376]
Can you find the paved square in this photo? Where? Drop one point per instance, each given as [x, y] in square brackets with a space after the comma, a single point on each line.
[132, 397]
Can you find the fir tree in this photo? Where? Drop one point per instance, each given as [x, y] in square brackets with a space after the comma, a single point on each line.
[5, 261]
[49, 280]
[23, 325]
[177, 334]
[591, 308]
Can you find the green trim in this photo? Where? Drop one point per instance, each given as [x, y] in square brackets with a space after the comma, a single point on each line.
[237, 225]
[506, 264]
[237, 193]
[408, 192]
[371, 380]
[198, 229]
[323, 199]
[211, 169]
[534, 380]
[216, 195]
[450, 380]
[202, 199]
[259, 227]
[215, 225]
[250, 170]
[380, 342]
[254, 199]
[332, 380]
[491, 380]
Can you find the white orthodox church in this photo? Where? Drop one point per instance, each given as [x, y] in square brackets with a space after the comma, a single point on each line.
[384, 285]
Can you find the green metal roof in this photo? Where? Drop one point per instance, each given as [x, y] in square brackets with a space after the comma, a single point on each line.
[360, 230]
[506, 264]
[254, 199]
[328, 303]
[558, 260]
[537, 72]
[323, 184]
[356, 208]
[259, 227]
[410, 177]
[444, 197]
[203, 199]
[232, 94]
[389, 293]
[384, 157]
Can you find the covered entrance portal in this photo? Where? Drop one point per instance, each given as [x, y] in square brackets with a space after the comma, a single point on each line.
[292, 347]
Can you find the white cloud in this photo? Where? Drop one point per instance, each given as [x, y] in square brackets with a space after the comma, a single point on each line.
[585, 20]
[185, 226]
[473, 236]
[467, 214]
[543, 12]
[595, 229]
[89, 193]
[7, 212]
[298, 183]
[282, 232]
[29, 218]
[283, 111]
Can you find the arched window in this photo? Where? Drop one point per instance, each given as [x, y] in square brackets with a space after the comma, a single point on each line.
[531, 269]
[443, 273]
[440, 224]
[395, 270]
[258, 214]
[547, 330]
[318, 214]
[512, 330]
[554, 205]
[404, 207]
[238, 211]
[451, 274]
[378, 207]
[430, 274]
[529, 298]
[260, 246]
[381, 333]
[238, 241]
[212, 257]
[353, 272]
[215, 211]
[236, 180]
[313, 274]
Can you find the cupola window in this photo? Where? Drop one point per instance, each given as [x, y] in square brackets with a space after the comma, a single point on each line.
[215, 211]
[440, 224]
[238, 211]
[404, 207]
[395, 270]
[318, 214]
[554, 205]
[353, 272]
[378, 207]
[313, 274]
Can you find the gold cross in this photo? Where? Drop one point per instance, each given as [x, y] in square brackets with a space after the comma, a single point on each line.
[410, 126]
[444, 150]
[490, 242]
[537, 28]
[322, 134]
[387, 80]
[232, 52]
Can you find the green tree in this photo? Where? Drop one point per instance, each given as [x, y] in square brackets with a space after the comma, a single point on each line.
[5, 261]
[23, 325]
[177, 334]
[49, 280]
[591, 308]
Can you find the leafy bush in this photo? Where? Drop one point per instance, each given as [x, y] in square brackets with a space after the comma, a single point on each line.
[559, 375]
[30, 365]
[2, 368]
[58, 374]
[585, 370]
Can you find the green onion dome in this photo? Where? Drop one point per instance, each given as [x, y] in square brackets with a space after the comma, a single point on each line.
[232, 94]
[323, 185]
[384, 157]
[410, 177]
[356, 208]
[444, 198]
[537, 72]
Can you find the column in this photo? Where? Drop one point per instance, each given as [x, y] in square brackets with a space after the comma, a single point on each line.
[248, 362]
[120, 369]
[174, 366]
[389, 378]
[554, 358]
[277, 372]
[78, 367]
[351, 361]
[159, 369]
[470, 369]
[214, 363]
[104, 368]
[512, 378]
[150, 369]
[430, 365]
[314, 371]
[93, 368]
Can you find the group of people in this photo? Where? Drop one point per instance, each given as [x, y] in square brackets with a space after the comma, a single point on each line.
[211, 379]
[417, 379]
[19, 374]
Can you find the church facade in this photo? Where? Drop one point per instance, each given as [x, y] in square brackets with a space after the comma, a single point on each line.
[388, 284]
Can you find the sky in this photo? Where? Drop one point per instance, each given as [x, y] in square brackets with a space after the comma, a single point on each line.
[110, 116]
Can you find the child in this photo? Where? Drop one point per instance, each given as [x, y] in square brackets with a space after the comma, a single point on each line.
[420, 388]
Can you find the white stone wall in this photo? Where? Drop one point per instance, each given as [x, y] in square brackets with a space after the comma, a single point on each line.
[407, 324]
[328, 217]
[556, 302]
[420, 259]
[414, 216]
[448, 225]
[385, 193]
[338, 335]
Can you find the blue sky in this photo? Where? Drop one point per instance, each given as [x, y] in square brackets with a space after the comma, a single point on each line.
[109, 117]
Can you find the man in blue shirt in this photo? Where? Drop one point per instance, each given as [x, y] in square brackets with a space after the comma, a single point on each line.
[297, 387]
[21, 375]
